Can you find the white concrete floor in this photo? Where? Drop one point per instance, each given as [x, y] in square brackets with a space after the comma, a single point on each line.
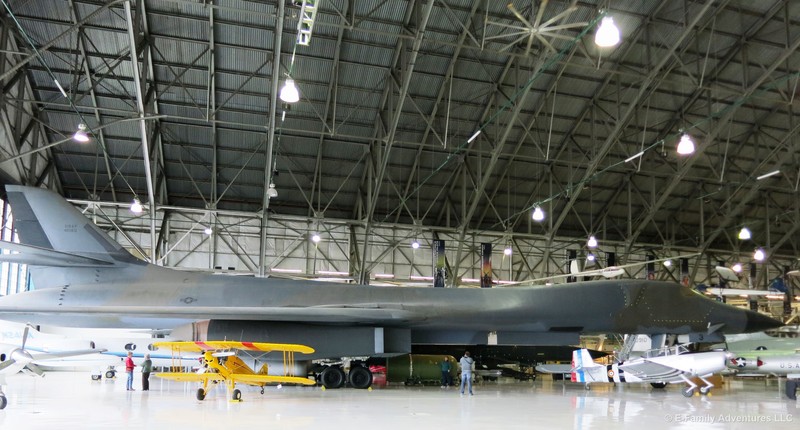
[67, 400]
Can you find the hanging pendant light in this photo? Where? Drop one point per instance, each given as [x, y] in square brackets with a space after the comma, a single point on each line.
[744, 233]
[136, 206]
[80, 135]
[759, 255]
[289, 92]
[538, 214]
[592, 243]
[686, 145]
[607, 34]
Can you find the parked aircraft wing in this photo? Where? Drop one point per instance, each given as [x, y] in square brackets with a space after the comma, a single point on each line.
[646, 370]
[191, 377]
[228, 345]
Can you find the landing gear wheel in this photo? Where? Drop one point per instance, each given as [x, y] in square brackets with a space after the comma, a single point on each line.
[110, 374]
[262, 390]
[201, 394]
[704, 390]
[689, 392]
[237, 395]
[96, 377]
[3, 402]
[587, 387]
[360, 377]
[658, 385]
[333, 377]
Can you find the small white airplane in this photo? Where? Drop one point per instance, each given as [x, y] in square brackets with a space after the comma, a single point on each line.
[14, 360]
[606, 272]
[728, 275]
[659, 367]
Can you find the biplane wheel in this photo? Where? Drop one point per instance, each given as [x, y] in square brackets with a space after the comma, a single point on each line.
[110, 374]
[237, 395]
[704, 390]
[688, 392]
[658, 385]
[96, 377]
[201, 394]
[333, 377]
[3, 402]
[262, 390]
[360, 377]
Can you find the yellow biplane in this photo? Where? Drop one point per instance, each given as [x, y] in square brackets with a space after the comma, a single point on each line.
[220, 363]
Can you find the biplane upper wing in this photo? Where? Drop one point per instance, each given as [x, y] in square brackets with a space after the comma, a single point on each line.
[191, 377]
[270, 379]
[200, 346]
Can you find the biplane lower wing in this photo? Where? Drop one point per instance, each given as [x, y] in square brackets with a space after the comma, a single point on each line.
[271, 379]
[191, 377]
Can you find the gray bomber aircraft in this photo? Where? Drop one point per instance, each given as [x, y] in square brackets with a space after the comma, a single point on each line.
[83, 278]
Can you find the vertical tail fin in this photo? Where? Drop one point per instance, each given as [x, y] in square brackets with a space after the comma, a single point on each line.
[45, 220]
[581, 362]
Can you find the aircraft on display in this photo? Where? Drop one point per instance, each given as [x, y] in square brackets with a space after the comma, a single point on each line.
[20, 359]
[83, 278]
[658, 367]
[221, 364]
[726, 276]
[772, 352]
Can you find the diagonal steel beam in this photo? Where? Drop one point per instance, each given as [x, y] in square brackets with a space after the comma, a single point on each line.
[392, 130]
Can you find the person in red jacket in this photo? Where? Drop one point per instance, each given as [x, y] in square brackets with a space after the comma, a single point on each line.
[129, 369]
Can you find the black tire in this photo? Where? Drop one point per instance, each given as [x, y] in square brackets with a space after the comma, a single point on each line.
[333, 377]
[688, 392]
[110, 374]
[237, 395]
[201, 394]
[262, 390]
[3, 402]
[96, 377]
[659, 385]
[704, 390]
[360, 377]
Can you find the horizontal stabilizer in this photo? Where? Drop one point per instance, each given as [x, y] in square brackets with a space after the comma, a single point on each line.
[36, 256]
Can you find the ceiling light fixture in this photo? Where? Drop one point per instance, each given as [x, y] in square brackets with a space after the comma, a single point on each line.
[538, 214]
[737, 268]
[136, 206]
[208, 231]
[686, 145]
[289, 92]
[759, 255]
[315, 238]
[744, 233]
[80, 135]
[592, 243]
[507, 251]
[271, 191]
[607, 34]
[668, 263]
[415, 244]
[767, 175]
[474, 136]
[590, 257]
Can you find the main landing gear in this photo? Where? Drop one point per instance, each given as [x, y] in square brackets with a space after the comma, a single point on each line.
[692, 387]
[334, 377]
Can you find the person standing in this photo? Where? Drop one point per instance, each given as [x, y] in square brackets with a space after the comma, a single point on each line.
[446, 366]
[466, 372]
[129, 370]
[147, 367]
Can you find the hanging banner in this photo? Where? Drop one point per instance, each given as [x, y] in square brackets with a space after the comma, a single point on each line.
[650, 273]
[572, 256]
[486, 265]
[438, 263]
[685, 272]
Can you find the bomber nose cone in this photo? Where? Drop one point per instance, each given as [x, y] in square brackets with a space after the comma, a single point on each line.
[760, 322]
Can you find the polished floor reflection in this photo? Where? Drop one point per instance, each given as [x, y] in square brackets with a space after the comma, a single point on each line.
[67, 400]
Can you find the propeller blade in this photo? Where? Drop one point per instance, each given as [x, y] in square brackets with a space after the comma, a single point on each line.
[7, 363]
[25, 336]
[35, 369]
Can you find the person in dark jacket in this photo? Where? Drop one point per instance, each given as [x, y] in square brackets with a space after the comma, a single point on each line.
[147, 367]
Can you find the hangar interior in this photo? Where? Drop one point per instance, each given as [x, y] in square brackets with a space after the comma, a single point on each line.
[417, 121]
